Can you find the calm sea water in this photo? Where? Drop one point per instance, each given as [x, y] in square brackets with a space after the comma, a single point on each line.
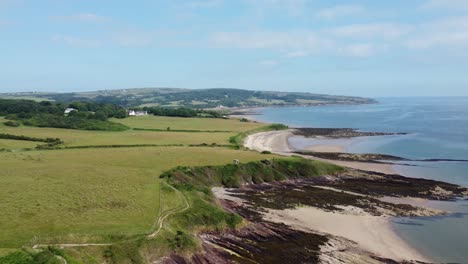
[437, 127]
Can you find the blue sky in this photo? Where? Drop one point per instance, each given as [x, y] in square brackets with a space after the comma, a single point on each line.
[368, 47]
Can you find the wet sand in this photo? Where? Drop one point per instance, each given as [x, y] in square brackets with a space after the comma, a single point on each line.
[277, 142]
[372, 233]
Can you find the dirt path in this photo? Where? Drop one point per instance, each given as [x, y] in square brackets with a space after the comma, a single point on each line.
[166, 214]
[159, 223]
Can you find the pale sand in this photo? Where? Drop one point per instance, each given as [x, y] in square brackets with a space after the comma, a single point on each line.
[277, 142]
[372, 233]
[326, 148]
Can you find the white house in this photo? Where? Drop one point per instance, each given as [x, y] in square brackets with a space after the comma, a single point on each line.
[137, 113]
[68, 110]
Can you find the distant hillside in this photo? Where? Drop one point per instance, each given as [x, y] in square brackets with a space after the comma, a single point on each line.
[197, 98]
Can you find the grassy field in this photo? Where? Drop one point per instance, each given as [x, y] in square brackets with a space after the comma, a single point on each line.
[159, 122]
[98, 194]
[130, 137]
[16, 144]
[91, 194]
[103, 194]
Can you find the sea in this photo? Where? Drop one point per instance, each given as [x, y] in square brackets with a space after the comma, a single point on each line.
[436, 127]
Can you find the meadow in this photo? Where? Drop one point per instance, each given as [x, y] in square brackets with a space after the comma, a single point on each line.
[101, 194]
[73, 138]
[160, 122]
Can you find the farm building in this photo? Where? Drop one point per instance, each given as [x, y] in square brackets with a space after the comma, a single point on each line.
[137, 113]
[68, 110]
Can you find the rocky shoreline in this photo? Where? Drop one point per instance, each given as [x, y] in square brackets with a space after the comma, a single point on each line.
[338, 133]
[276, 215]
[343, 217]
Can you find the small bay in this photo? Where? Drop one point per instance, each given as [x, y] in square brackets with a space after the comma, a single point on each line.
[437, 129]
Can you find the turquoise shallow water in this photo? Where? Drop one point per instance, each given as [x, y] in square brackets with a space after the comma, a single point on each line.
[437, 127]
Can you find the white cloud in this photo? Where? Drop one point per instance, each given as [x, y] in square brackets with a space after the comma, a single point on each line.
[77, 41]
[269, 40]
[269, 63]
[359, 50]
[446, 33]
[291, 7]
[203, 3]
[134, 39]
[297, 54]
[447, 4]
[339, 11]
[386, 30]
[82, 17]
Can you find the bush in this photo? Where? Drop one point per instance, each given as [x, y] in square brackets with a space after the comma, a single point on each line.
[265, 152]
[181, 240]
[244, 120]
[11, 123]
[17, 257]
[277, 127]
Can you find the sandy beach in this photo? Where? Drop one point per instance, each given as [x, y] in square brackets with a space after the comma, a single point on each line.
[371, 233]
[277, 142]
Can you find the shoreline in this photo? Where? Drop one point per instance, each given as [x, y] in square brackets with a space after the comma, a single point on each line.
[372, 233]
[277, 142]
[328, 222]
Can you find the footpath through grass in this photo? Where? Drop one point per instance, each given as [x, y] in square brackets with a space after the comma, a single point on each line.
[80, 195]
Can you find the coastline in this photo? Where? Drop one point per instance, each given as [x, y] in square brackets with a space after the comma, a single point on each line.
[372, 233]
[277, 142]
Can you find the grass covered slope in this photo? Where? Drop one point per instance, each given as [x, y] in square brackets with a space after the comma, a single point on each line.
[90, 194]
[204, 214]
[233, 176]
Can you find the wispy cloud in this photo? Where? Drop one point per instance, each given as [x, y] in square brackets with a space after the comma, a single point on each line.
[82, 17]
[269, 40]
[268, 63]
[297, 54]
[203, 3]
[290, 7]
[77, 41]
[386, 30]
[446, 33]
[340, 11]
[134, 38]
[447, 4]
[359, 50]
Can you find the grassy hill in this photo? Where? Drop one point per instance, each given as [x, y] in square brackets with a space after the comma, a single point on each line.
[196, 98]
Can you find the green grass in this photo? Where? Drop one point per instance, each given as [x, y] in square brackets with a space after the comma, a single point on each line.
[102, 193]
[17, 144]
[129, 137]
[90, 194]
[159, 122]
[238, 139]
[204, 212]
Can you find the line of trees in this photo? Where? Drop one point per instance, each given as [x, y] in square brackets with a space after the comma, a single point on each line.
[182, 112]
[89, 115]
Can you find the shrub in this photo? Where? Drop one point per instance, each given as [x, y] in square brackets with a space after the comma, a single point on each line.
[181, 240]
[12, 123]
[17, 257]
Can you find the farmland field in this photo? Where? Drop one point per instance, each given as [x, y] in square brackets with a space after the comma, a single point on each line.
[131, 137]
[159, 122]
[101, 194]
